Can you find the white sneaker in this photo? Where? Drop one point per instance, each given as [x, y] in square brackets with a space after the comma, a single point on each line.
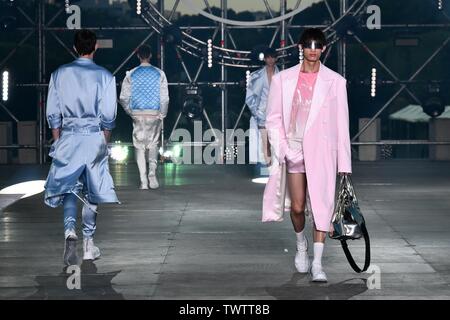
[90, 251]
[143, 186]
[318, 275]
[301, 258]
[153, 182]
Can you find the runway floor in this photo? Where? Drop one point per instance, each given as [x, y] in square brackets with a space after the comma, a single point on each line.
[200, 236]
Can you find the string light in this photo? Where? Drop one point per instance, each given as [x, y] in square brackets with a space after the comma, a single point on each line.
[261, 56]
[247, 77]
[5, 85]
[440, 4]
[300, 55]
[209, 53]
[373, 83]
[67, 5]
[138, 7]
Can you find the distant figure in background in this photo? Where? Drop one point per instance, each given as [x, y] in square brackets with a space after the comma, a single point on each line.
[145, 98]
[256, 100]
[81, 111]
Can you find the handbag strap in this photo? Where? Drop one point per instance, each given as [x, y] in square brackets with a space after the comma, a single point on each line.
[349, 255]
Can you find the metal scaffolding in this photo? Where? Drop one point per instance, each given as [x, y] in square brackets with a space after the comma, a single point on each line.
[228, 55]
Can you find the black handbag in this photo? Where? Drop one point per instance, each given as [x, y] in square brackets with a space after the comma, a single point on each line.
[348, 222]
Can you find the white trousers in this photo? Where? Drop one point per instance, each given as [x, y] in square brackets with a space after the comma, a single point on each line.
[146, 135]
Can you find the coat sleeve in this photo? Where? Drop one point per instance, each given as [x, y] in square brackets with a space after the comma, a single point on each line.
[251, 97]
[344, 148]
[53, 112]
[274, 119]
[125, 93]
[164, 95]
[108, 106]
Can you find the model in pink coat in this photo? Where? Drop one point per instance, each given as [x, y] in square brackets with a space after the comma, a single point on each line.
[308, 127]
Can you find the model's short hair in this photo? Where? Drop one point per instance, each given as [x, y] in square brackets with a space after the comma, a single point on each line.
[270, 52]
[84, 41]
[144, 52]
[311, 34]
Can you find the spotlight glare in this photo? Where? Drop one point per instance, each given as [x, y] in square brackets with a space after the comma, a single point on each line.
[263, 180]
[28, 189]
[119, 153]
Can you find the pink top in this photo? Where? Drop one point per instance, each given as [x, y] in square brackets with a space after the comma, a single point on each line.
[301, 105]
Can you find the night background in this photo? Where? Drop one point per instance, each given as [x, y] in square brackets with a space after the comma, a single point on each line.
[403, 61]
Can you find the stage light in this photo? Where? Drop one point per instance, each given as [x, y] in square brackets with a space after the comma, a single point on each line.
[27, 189]
[5, 86]
[209, 53]
[119, 152]
[177, 150]
[263, 180]
[67, 5]
[301, 57]
[373, 83]
[257, 53]
[138, 7]
[247, 77]
[193, 104]
[433, 106]
[168, 154]
[173, 153]
[231, 152]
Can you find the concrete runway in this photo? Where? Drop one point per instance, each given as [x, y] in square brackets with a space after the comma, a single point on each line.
[200, 236]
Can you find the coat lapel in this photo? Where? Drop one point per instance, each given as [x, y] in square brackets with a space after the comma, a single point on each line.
[289, 84]
[322, 86]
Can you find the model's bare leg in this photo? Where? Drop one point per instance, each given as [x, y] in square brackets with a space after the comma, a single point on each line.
[266, 146]
[319, 236]
[297, 190]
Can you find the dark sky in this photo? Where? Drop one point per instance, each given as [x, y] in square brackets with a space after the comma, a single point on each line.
[238, 5]
[242, 5]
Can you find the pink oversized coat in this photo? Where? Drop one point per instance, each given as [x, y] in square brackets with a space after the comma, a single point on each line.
[326, 144]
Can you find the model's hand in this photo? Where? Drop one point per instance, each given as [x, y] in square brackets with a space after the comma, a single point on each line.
[107, 134]
[268, 160]
[56, 134]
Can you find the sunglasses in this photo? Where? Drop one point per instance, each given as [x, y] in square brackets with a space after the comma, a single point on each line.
[313, 44]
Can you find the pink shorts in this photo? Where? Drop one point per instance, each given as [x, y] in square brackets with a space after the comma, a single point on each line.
[294, 161]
